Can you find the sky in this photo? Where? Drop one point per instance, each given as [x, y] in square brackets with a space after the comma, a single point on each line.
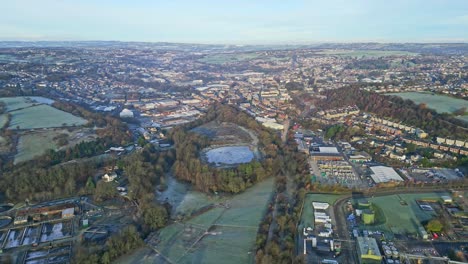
[236, 21]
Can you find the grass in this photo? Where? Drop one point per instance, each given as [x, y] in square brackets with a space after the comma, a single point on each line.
[15, 103]
[3, 120]
[31, 145]
[222, 58]
[402, 219]
[440, 103]
[234, 226]
[43, 116]
[229, 246]
[36, 143]
[365, 53]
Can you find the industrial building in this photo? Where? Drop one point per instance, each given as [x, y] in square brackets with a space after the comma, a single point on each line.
[368, 250]
[325, 153]
[382, 174]
[45, 213]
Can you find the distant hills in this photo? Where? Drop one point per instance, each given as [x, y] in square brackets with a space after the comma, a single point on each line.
[434, 48]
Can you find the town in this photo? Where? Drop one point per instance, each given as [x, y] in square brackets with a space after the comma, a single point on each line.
[174, 153]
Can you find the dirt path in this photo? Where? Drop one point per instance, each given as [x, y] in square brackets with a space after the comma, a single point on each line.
[284, 135]
[254, 143]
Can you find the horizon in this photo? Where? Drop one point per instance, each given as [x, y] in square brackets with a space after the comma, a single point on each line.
[241, 23]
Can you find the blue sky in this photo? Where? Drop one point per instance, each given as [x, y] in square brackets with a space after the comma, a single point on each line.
[236, 21]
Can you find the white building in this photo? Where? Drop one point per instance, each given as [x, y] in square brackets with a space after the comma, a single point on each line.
[384, 174]
[126, 113]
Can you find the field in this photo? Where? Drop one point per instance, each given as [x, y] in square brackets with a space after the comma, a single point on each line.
[227, 229]
[402, 219]
[307, 217]
[185, 201]
[43, 116]
[440, 103]
[36, 143]
[222, 58]
[35, 112]
[365, 53]
[15, 103]
[3, 120]
[229, 57]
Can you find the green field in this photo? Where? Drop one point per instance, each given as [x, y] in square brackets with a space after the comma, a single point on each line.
[365, 53]
[34, 144]
[36, 112]
[43, 116]
[222, 58]
[232, 229]
[14, 103]
[3, 120]
[402, 219]
[307, 217]
[440, 103]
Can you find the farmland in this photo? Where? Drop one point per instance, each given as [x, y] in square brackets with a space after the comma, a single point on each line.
[43, 116]
[36, 112]
[440, 103]
[39, 127]
[34, 144]
[229, 228]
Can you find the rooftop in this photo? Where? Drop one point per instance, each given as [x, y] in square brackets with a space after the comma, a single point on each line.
[384, 174]
[368, 248]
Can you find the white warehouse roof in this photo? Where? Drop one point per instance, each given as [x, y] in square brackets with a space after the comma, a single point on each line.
[320, 205]
[328, 150]
[384, 174]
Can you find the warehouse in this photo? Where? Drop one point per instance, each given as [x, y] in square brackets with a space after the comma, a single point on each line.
[382, 174]
[325, 153]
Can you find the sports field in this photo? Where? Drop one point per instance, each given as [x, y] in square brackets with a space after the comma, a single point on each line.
[402, 214]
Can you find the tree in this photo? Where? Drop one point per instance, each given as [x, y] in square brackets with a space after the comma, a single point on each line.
[90, 186]
[105, 190]
[141, 141]
[460, 111]
[155, 216]
[434, 226]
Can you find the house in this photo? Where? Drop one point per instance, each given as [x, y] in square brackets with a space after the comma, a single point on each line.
[109, 177]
